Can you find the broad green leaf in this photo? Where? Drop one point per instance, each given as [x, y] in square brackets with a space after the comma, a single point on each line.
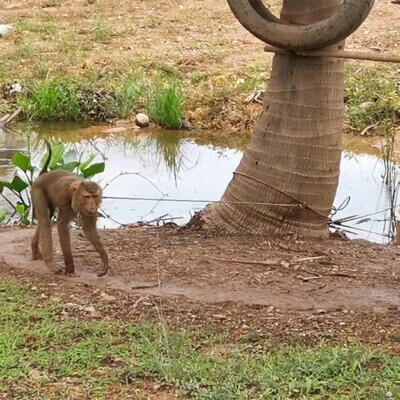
[3, 216]
[4, 184]
[85, 164]
[58, 152]
[18, 184]
[70, 156]
[70, 166]
[22, 161]
[21, 209]
[93, 170]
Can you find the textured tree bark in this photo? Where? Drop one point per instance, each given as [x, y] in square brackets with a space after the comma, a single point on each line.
[294, 154]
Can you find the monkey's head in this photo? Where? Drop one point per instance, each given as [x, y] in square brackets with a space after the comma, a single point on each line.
[86, 197]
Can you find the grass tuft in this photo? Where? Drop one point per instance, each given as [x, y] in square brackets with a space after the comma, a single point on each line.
[126, 97]
[165, 106]
[51, 100]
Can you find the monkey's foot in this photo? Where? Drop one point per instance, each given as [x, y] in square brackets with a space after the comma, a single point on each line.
[37, 255]
[72, 274]
[54, 268]
[102, 272]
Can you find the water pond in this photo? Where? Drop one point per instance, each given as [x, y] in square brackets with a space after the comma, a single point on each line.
[172, 176]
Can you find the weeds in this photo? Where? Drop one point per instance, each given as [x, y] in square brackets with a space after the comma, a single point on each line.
[165, 106]
[373, 99]
[126, 97]
[102, 32]
[51, 100]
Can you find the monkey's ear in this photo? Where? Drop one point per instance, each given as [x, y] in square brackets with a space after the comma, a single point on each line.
[74, 187]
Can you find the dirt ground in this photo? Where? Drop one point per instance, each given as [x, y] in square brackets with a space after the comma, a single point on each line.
[298, 291]
[200, 35]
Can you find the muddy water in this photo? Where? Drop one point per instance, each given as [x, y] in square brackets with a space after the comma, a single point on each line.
[173, 168]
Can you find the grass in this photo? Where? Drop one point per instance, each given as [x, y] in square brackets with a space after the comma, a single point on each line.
[50, 100]
[44, 353]
[165, 106]
[127, 96]
[378, 91]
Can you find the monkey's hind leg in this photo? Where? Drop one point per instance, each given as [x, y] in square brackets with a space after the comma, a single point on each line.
[44, 229]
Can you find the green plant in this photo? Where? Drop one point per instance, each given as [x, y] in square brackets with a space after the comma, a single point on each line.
[3, 216]
[16, 193]
[102, 32]
[165, 106]
[50, 100]
[125, 97]
[373, 99]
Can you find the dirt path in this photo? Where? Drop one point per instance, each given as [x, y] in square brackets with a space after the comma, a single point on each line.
[338, 291]
[303, 275]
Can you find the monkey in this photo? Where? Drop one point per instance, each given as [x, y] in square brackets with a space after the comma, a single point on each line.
[71, 196]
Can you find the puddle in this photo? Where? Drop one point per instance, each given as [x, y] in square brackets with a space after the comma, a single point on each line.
[175, 168]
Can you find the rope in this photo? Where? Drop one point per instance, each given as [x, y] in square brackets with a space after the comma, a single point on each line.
[199, 201]
[300, 204]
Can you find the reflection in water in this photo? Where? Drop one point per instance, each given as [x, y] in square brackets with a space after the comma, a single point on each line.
[181, 169]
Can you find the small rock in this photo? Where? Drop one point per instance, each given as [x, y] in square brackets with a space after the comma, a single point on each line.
[270, 309]
[321, 311]
[389, 395]
[16, 88]
[6, 30]
[219, 316]
[89, 309]
[34, 288]
[108, 298]
[142, 120]
[364, 107]
[380, 310]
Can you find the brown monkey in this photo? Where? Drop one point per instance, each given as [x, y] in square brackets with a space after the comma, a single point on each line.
[71, 196]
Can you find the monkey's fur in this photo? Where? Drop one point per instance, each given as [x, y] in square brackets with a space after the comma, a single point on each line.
[70, 195]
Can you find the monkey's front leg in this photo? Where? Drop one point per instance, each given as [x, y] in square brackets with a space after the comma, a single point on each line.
[46, 246]
[90, 231]
[65, 242]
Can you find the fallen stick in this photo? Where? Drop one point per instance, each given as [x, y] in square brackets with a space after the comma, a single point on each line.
[9, 117]
[150, 286]
[351, 54]
[310, 278]
[268, 263]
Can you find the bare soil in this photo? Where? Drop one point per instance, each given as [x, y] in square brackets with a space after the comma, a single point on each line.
[308, 291]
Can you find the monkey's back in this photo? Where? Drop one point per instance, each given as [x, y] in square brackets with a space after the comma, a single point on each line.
[54, 184]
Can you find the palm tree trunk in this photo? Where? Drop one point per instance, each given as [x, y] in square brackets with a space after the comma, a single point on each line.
[293, 158]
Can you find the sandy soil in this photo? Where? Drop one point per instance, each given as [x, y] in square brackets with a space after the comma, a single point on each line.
[297, 290]
[198, 35]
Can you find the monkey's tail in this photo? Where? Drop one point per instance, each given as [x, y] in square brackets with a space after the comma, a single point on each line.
[46, 164]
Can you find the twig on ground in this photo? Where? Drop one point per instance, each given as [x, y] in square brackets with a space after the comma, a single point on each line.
[310, 278]
[268, 263]
[9, 117]
[149, 286]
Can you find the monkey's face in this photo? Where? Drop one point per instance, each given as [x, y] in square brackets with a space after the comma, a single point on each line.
[86, 197]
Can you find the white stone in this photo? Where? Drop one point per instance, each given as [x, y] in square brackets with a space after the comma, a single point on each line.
[142, 120]
[5, 30]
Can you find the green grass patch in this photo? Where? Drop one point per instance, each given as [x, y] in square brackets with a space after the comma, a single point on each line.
[51, 100]
[165, 105]
[126, 97]
[45, 354]
[377, 91]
